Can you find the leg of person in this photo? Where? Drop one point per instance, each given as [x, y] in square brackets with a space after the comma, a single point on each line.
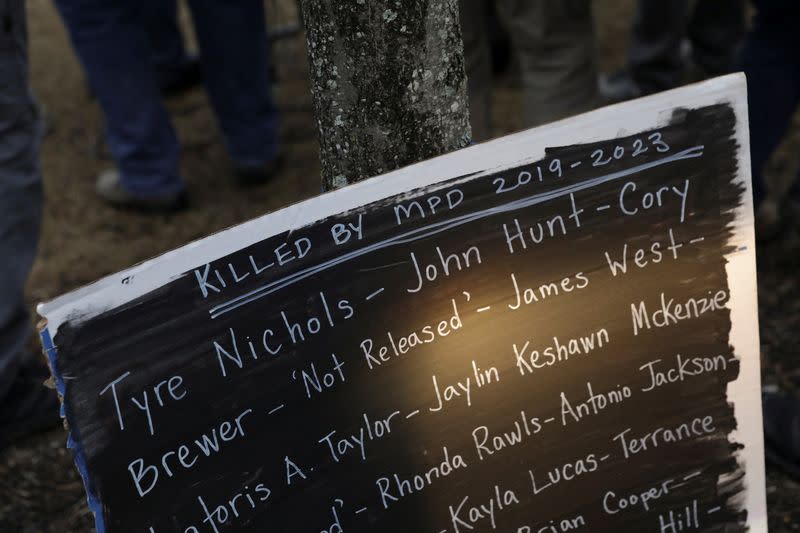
[177, 70]
[234, 51]
[655, 62]
[24, 403]
[768, 57]
[20, 187]
[555, 43]
[112, 44]
[477, 60]
[659, 27]
[715, 33]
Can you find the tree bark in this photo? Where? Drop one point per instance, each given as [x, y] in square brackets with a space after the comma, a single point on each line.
[388, 84]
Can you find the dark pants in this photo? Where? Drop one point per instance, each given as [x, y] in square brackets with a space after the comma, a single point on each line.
[166, 40]
[20, 187]
[554, 42]
[114, 46]
[714, 28]
[770, 57]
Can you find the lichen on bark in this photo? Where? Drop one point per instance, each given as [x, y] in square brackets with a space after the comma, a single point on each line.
[388, 84]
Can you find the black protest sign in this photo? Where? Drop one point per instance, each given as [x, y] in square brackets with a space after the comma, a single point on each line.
[555, 331]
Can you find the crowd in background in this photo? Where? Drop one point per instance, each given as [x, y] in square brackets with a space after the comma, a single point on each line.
[133, 54]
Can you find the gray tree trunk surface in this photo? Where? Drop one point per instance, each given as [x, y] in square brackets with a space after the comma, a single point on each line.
[388, 84]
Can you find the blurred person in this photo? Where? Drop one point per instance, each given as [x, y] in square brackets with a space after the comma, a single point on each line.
[553, 41]
[25, 405]
[114, 47]
[713, 29]
[769, 57]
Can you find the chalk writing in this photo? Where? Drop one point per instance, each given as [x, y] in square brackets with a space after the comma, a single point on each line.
[544, 341]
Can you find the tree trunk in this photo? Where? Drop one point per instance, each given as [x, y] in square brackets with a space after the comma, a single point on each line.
[388, 84]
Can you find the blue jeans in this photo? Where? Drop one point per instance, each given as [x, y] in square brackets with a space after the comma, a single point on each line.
[112, 42]
[169, 55]
[770, 57]
[20, 187]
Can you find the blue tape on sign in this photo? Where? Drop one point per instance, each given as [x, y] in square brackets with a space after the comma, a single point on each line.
[72, 437]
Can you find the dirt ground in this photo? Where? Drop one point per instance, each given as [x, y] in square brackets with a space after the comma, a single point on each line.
[82, 239]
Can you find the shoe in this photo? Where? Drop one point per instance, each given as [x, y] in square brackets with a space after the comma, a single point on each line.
[618, 87]
[109, 188]
[621, 86]
[28, 407]
[249, 176]
[176, 81]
